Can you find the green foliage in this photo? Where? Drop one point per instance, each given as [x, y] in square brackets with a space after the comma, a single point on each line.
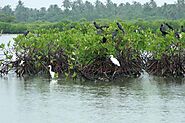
[82, 43]
[75, 10]
[2, 46]
[75, 45]
[16, 28]
[6, 18]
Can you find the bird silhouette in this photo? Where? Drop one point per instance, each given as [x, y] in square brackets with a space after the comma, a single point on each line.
[178, 35]
[96, 25]
[114, 34]
[104, 40]
[169, 26]
[163, 30]
[182, 29]
[100, 27]
[120, 27]
[26, 33]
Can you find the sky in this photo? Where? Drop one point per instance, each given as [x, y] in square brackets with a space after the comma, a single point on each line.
[45, 3]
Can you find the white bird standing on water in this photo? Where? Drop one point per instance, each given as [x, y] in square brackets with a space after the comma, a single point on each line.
[52, 73]
[114, 61]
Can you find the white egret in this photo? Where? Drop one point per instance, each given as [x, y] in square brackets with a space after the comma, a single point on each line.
[52, 73]
[114, 61]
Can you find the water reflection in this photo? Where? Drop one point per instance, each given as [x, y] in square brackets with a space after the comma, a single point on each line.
[143, 99]
[5, 38]
[53, 82]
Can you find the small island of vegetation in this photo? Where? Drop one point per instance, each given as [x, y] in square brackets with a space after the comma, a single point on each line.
[82, 48]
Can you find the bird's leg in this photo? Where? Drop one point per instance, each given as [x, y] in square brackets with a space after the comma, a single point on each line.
[114, 73]
[106, 75]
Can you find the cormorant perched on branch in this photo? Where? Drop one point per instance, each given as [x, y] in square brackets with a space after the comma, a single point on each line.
[99, 27]
[104, 40]
[178, 35]
[169, 26]
[182, 29]
[114, 33]
[96, 25]
[163, 30]
[120, 27]
[26, 33]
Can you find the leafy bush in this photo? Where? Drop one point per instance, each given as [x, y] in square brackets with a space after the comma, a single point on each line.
[71, 45]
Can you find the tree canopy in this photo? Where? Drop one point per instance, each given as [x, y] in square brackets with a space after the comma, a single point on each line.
[78, 9]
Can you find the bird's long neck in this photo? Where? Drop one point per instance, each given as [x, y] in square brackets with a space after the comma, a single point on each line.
[50, 69]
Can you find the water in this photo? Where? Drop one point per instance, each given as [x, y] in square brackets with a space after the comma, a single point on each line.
[5, 38]
[144, 100]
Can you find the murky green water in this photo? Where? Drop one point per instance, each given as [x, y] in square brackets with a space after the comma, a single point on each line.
[143, 100]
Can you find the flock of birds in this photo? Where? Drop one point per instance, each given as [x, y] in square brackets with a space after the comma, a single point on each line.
[100, 29]
[164, 29]
[176, 32]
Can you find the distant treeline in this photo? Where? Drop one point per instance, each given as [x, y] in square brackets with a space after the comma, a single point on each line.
[78, 9]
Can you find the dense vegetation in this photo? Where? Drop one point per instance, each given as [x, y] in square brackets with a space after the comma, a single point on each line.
[16, 28]
[78, 9]
[66, 38]
[79, 49]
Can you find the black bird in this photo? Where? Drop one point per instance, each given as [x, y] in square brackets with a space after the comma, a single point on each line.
[120, 27]
[170, 27]
[26, 33]
[97, 26]
[163, 30]
[178, 35]
[182, 29]
[72, 26]
[104, 40]
[114, 34]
